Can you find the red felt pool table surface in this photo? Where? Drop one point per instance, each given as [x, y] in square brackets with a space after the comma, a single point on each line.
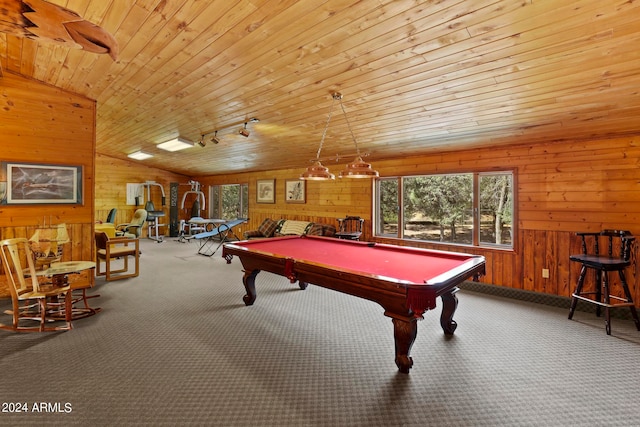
[403, 264]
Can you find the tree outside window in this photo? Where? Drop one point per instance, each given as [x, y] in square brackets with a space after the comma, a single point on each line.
[388, 207]
[440, 208]
[229, 201]
[496, 208]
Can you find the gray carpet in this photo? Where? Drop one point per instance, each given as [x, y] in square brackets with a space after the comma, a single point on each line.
[176, 346]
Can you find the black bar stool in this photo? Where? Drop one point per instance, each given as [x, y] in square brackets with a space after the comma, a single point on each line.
[602, 265]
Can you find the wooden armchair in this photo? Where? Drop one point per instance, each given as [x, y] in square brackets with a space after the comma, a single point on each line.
[116, 250]
[350, 228]
[44, 303]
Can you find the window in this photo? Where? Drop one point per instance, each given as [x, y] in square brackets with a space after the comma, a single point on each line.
[229, 201]
[466, 208]
[388, 207]
[496, 209]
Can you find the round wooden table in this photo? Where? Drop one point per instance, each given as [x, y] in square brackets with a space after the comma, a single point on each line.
[59, 273]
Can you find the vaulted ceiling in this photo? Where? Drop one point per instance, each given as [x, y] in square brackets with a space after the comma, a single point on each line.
[416, 76]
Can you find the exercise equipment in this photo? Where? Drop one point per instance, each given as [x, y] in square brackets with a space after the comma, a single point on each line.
[174, 221]
[196, 225]
[197, 206]
[153, 215]
[221, 234]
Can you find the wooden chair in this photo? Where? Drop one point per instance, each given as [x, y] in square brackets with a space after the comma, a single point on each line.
[117, 249]
[31, 300]
[617, 258]
[350, 228]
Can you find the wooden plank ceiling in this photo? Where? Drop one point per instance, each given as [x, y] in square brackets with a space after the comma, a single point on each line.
[416, 76]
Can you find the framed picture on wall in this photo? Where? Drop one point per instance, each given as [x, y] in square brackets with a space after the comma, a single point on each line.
[266, 191]
[31, 183]
[295, 191]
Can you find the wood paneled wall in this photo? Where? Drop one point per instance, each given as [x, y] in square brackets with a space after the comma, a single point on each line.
[43, 124]
[325, 200]
[561, 188]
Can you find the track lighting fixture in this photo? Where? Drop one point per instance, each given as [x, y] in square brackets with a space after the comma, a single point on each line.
[242, 131]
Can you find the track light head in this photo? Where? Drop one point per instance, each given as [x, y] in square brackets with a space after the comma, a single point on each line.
[243, 131]
[214, 138]
[206, 138]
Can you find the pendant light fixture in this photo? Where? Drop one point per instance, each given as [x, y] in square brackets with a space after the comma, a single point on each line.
[358, 168]
[316, 171]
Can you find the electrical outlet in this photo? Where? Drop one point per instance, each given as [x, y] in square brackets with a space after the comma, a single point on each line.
[545, 273]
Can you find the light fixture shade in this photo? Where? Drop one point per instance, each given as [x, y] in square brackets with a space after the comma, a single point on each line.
[176, 144]
[139, 155]
[317, 172]
[359, 169]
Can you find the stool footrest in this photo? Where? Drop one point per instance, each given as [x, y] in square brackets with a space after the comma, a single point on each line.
[624, 302]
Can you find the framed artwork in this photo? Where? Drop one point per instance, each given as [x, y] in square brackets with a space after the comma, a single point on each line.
[295, 191]
[266, 191]
[31, 183]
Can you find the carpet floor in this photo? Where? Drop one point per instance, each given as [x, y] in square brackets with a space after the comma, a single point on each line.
[177, 346]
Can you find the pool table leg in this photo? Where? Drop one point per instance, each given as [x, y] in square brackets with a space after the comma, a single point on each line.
[404, 333]
[449, 305]
[249, 280]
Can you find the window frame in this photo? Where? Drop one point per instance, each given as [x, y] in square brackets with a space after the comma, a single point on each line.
[378, 222]
[243, 203]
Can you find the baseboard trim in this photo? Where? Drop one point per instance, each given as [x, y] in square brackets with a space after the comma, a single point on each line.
[540, 298]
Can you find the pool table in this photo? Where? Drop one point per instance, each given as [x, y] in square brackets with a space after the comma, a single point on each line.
[405, 281]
